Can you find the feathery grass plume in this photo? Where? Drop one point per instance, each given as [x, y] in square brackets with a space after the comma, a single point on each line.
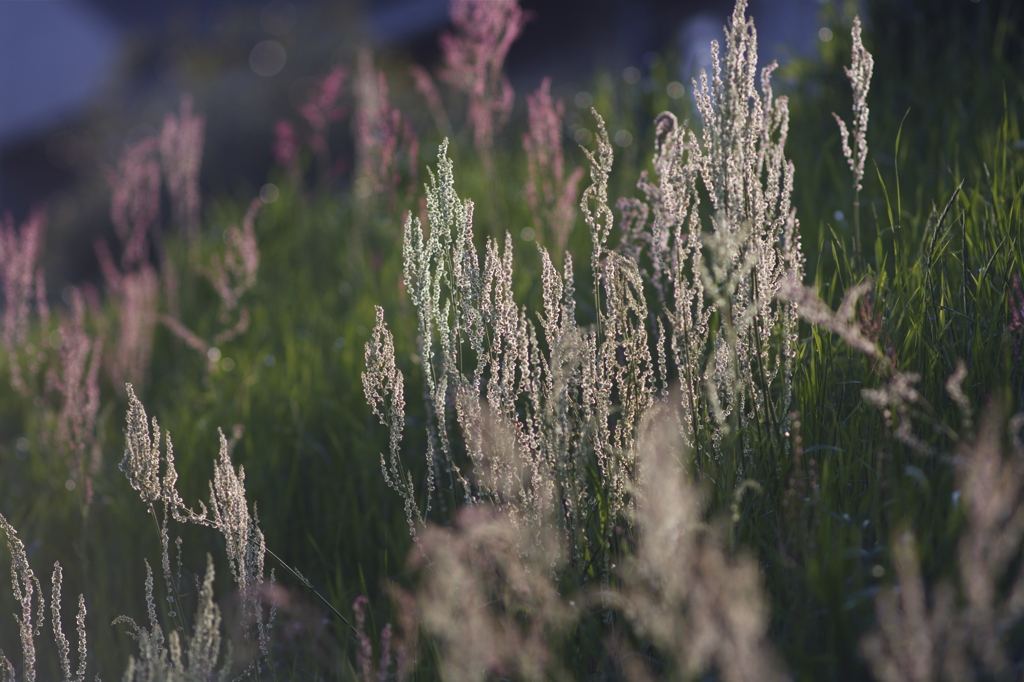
[1015, 328]
[489, 605]
[488, 601]
[135, 200]
[77, 385]
[914, 642]
[322, 108]
[386, 145]
[142, 459]
[63, 647]
[153, 659]
[992, 482]
[550, 193]
[364, 654]
[754, 245]
[522, 489]
[621, 364]
[169, 659]
[742, 375]
[960, 631]
[80, 631]
[429, 270]
[394, 652]
[228, 511]
[897, 401]
[141, 465]
[231, 274]
[474, 57]
[234, 273]
[841, 322]
[701, 608]
[859, 73]
[600, 219]
[25, 585]
[181, 155]
[625, 371]
[246, 547]
[672, 243]
[138, 295]
[24, 287]
[384, 389]
[562, 404]
[135, 213]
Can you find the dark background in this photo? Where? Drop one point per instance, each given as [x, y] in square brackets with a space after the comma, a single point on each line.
[81, 78]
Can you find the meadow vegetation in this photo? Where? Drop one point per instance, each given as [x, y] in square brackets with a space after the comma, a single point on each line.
[736, 396]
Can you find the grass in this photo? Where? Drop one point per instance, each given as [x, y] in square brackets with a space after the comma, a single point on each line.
[940, 219]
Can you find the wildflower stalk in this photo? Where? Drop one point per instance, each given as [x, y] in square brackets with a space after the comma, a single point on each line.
[172, 586]
[474, 55]
[153, 475]
[859, 73]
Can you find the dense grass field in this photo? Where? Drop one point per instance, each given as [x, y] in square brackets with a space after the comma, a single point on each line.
[730, 441]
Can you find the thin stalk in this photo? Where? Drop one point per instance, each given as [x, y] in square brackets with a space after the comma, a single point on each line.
[302, 579]
[178, 615]
[857, 241]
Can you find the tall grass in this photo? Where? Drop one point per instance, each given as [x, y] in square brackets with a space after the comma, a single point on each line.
[616, 455]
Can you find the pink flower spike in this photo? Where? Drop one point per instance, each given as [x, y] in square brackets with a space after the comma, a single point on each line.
[286, 146]
[322, 108]
[77, 385]
[550, 194]
[19, 250]
[23, 286]
[42, 307]
[474, 56]
[135, 200]
[1016, 306]
[139, 297]
[181, 155]
[1016, 326]
[385, 142]
[234, 273]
